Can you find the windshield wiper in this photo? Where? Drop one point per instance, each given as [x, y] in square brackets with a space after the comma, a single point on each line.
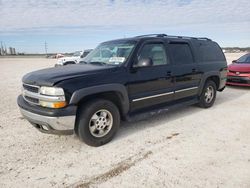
[83, 62]
[97, 63]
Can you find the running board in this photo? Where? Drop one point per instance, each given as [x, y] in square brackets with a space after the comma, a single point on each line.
[148, 114]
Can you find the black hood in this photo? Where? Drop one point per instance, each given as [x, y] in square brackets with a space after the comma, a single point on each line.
[51, 76]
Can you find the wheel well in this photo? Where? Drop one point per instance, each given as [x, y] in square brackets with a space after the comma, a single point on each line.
[112, 96]
[216, 80]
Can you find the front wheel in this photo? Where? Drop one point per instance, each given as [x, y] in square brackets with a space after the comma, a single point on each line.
[98, 122]
[208, 95]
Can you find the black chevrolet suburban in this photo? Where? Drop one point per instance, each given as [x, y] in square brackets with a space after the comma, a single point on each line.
[123, 79]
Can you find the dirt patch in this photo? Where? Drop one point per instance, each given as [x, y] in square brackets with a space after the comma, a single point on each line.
[120, 168]
[172, 135]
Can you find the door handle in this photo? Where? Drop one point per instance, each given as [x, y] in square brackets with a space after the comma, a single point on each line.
[194, 70]
[169, 73]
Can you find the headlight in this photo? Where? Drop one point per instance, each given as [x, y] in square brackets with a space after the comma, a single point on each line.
[53, 91]
[60, 62]
[53, 97]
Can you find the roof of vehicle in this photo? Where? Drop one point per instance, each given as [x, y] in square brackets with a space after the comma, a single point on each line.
[154, 36]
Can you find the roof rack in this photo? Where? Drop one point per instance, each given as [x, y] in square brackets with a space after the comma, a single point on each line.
[151, 35]
[172, 36]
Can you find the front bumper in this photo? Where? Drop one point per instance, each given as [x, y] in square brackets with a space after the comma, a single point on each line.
[52, 125]
[59, 121]
[238, 81]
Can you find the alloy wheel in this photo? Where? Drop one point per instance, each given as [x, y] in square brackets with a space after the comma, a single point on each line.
[100, 123]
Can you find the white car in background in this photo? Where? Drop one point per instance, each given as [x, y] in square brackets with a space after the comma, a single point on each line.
[74, 59]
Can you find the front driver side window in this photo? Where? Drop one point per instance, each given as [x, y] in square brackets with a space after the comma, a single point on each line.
[154, 51]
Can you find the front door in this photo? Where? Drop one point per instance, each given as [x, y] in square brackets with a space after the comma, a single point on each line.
[151, 85]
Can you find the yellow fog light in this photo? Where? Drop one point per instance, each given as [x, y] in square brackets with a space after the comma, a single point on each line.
[59, 104]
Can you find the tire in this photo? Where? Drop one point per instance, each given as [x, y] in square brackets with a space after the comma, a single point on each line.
[98, 121]
[208, 95]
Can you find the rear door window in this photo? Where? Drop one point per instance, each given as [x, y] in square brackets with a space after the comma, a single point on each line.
[181, 53]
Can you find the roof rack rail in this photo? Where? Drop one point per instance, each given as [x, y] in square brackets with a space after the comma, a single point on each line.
[203, 38]
[172, 36]
[152, 35]
[180, 37]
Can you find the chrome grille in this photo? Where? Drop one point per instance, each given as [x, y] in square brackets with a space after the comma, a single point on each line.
[29, 93]
[31, 88]
[32, 100]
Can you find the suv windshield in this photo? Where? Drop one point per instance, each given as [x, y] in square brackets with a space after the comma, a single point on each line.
[110, 53]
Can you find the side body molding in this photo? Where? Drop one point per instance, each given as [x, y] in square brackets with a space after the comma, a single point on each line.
[118, 88]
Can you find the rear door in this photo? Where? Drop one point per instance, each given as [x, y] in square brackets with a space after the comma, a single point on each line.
[184, 68]
[153, 84]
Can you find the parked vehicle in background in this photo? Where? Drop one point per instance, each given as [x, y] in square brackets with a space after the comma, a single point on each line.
[126, 79]
[75, 58]
[239, 72]
[86, 52]
[59, 56]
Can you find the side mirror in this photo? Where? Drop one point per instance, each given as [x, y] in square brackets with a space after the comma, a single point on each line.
[234, 61]
[146, 62]
[82, 56]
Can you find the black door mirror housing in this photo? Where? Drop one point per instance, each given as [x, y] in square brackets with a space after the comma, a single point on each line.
[145, 62]
[234, 61]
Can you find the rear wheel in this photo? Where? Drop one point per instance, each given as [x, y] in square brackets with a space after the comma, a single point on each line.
[208, 95]
[98, 122]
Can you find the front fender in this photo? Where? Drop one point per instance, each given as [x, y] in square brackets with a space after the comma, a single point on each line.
[78, 95]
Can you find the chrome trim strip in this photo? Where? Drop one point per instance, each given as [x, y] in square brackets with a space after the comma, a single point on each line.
[181, 90]
[163, 94]
[152, 96]
[43, 97]
[31, 85]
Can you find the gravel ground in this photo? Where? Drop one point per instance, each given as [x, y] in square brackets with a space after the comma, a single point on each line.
[189, 147]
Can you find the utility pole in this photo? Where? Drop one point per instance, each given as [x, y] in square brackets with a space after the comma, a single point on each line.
[5, 50]
[1, 49]
[46, 48]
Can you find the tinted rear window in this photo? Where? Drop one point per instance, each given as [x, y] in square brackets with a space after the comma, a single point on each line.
[210, 51]
[181, 53]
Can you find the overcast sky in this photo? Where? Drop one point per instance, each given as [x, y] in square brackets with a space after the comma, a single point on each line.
[80, 24]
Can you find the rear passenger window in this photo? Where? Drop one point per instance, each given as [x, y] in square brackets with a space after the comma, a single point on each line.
[210, 51]
[181, 53]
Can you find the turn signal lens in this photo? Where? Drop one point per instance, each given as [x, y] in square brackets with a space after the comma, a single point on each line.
[59, 104]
